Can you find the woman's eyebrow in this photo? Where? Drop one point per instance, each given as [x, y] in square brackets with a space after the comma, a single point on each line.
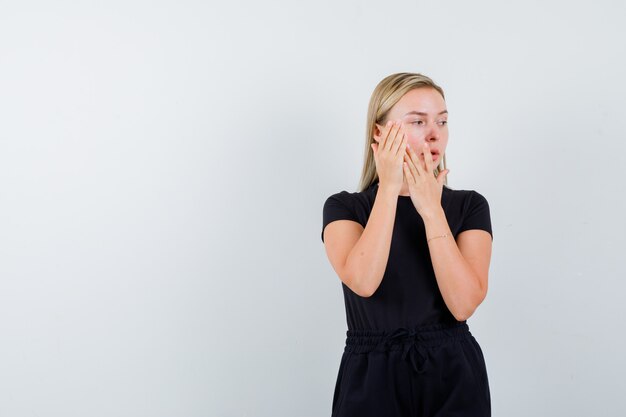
[421, 113]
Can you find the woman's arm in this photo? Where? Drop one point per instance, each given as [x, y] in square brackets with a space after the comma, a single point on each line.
[461, 267]
[359, 255]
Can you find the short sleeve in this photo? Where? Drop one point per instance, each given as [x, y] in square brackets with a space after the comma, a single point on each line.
[337, 207]
[477, 214]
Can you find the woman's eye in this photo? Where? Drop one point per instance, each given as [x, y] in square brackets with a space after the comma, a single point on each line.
[421, 122]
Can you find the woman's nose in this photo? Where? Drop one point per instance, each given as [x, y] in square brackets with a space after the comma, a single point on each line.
[433, 134]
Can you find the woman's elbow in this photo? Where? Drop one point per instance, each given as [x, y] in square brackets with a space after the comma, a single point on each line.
[361, 287]
[361, 290]
[461, 315]
[466, 313]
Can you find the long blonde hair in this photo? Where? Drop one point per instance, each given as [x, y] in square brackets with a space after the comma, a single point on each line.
[386, 94]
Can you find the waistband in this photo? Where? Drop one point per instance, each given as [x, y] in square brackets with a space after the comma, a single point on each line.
[411, 340]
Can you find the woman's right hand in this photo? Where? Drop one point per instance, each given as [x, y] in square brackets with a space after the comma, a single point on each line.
[389, 156]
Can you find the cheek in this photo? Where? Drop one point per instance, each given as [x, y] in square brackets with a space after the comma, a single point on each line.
[415, 139]
[417, 144]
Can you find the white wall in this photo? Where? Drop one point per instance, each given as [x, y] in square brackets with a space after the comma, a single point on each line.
[163, 167]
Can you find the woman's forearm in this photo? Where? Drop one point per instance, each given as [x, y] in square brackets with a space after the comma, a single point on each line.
[457, 281]
[368, 258]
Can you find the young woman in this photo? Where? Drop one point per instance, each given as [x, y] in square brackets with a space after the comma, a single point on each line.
[413, 258]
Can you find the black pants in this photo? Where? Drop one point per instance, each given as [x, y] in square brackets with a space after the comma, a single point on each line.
[431, 371]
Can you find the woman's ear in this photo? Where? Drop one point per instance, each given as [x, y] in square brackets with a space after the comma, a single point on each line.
[377, 132]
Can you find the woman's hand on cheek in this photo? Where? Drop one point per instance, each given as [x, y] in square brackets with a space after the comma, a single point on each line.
[425, 190]
[388, 156]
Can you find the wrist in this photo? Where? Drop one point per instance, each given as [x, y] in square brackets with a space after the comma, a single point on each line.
[388, 192]
[433, 214]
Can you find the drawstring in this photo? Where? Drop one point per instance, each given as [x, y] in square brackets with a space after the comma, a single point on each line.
[415, 342]
[411, 348]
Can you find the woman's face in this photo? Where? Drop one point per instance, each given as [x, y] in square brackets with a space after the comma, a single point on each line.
[424, 116]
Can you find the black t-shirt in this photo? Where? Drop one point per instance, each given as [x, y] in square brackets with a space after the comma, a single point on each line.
[408, 295]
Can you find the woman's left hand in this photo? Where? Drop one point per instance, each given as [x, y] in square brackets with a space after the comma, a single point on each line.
[425, 190]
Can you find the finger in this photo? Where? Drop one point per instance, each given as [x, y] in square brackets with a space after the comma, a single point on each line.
[403, 145]
[392, 136]
[441, 179]
[399, 140]
[407, 173]
[385, 133]
[423, 164]
[428, 158]
[413, 168]
[416, 162]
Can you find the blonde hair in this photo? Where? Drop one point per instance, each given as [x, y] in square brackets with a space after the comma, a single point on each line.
[386, 94]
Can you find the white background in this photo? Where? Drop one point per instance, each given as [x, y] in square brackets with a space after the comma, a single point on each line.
[163, 167]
